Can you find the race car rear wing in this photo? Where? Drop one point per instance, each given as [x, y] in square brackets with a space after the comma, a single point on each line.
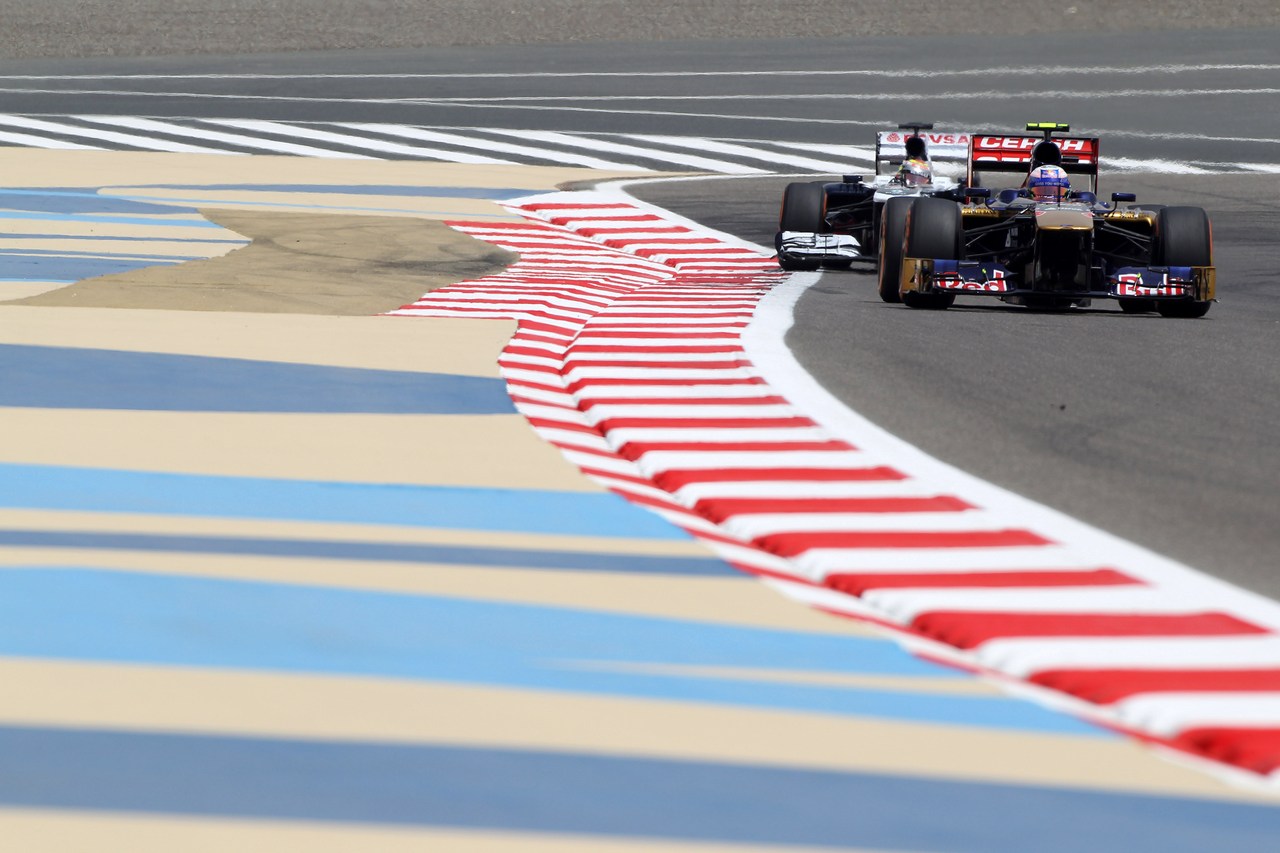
[1012, 153]
[947, 152]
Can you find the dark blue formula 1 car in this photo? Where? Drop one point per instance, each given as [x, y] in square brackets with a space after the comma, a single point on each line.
[1045, 243]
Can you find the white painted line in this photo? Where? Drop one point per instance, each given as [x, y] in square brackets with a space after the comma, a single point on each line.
[44, 142]
[132, 140]
[835, 560]
[738, 150]
[666, 410]
[1023, 657]
[756, 524]
[1166, 714]
[906, 604]
[425, 135]
[659, 461]
[570, 141]
[784, 489]
[994, 71]
[242, 140]
[359, 142]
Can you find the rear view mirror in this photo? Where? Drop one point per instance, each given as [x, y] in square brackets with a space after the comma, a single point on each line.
[1123, 197]
[977, 192]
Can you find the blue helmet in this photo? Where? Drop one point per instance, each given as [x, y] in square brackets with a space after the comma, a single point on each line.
[1048, 183]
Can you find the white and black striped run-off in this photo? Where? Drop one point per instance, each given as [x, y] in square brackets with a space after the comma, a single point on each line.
[494, 146]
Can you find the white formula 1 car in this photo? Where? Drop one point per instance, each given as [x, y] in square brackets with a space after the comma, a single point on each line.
[834, 224]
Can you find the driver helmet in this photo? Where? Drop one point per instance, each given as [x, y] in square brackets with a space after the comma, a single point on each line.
[1048, 183]
[915, 172]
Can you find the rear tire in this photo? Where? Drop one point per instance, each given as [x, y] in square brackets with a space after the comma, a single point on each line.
[933, 231]
[893, 230]
[1183, 238]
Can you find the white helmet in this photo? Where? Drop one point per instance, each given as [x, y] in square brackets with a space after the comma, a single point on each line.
[915, 172]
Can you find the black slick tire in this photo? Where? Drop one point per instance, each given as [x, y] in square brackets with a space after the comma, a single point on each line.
[1183, 238]
[933, 230]
[893, 230]
[804, 208]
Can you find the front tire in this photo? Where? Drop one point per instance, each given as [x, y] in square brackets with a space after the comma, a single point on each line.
[893, 230]
[933, 230]
[804, 208]
[1183, 238]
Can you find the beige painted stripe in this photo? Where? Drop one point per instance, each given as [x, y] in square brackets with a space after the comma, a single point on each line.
[718, 600]
[30, 167]
[58, 831]
[79, 228]
[956, 686]
[490, 451]
[463, 347]
[22, 290]
[365, 709]
[324, 531]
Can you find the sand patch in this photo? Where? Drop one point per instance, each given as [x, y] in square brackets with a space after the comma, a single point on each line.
[299, 263]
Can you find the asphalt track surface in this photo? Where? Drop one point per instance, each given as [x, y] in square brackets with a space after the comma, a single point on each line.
[1163, 432]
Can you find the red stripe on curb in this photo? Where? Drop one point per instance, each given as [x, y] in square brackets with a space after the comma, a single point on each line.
[705, 423]
[853, 583]
[634, 449]
[571, 363]
[794, 544]
[969, 629]
[677, 479]
[1104, 686]
[656, 349]
[579, 384]
[722, 508]
[590, 402]
[1253, 749]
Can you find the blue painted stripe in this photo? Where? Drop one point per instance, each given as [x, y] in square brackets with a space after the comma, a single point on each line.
[13, 235]
[49, 268]
[171, 620]
[174, 217]
[354, 189]
[64, 254]
[454, 507]
[72, 378]
[323, 549]
[556, 792]
[76, 201]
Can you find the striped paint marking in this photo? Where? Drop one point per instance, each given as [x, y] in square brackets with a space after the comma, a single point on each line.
[633, 356]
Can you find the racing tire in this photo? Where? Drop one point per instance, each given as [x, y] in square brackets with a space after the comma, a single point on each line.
[933, 230]
[893, 230]
[1183, 238]
[804, 208]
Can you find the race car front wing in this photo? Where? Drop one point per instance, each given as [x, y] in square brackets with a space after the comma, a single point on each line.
[925, 275]
[804, 245]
